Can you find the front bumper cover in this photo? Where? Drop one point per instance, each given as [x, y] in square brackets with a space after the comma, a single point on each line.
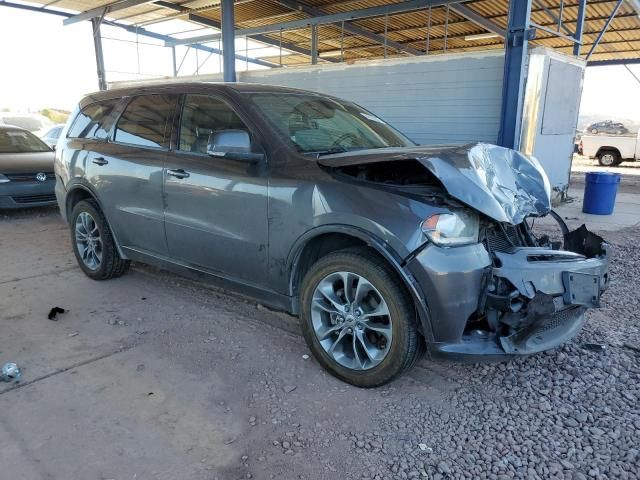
[26, 194]
[540, 304]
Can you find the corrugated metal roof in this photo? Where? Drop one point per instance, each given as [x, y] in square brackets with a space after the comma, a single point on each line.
[447, 33]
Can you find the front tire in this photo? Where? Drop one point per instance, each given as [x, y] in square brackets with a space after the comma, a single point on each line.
[358, 318]
[609, 158]
[93, 243]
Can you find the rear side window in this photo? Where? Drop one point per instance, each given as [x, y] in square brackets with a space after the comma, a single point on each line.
[90, 121]
[147, 121]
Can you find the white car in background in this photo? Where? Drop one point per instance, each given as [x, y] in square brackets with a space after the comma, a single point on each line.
[611, 150]
[35, 123]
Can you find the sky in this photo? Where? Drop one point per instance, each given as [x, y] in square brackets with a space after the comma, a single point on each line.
[47, 65]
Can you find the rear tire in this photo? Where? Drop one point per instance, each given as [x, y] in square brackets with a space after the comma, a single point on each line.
[393, 352]
[609, 158]
[93, 243]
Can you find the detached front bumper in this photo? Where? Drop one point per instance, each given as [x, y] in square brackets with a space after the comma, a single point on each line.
[516, 303]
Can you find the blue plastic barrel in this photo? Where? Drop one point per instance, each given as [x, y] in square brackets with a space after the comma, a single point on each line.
[600, 192]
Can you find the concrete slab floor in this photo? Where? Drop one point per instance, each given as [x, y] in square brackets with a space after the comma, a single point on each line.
[626, 212]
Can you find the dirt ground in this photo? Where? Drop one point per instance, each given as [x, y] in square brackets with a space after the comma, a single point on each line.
[152, 376]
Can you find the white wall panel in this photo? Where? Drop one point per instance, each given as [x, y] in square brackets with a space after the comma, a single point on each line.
[440, 99]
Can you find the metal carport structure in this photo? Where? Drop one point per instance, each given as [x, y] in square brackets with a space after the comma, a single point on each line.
[602, 32]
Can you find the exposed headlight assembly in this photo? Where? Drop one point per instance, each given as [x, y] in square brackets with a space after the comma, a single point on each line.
[452, 229]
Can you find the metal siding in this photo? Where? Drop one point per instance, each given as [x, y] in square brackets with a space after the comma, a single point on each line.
[445, 99]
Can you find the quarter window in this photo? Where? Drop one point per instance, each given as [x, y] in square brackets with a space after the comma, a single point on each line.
[90, 122]
[147, 121]
[201, 116]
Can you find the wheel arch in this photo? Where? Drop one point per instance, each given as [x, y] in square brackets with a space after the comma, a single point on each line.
[329, 238]
[79, 192]
[604, 149]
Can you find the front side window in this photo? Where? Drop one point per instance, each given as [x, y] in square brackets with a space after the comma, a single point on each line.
[321, 125]
[201, 116]
[90, 120]
[147, 121]
[20, 141]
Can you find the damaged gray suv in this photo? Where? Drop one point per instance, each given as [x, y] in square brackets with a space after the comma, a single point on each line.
[310, 204]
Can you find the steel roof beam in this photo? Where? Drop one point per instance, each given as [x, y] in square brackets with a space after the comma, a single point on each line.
[348, 27]
[635, 5]
[478, 19]
[604, 29]
[407, 6]
[103, 10]
[258, 38]
[135, 30]
[554, 17]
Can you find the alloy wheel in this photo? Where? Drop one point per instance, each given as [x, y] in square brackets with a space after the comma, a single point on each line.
[351, 320]
[88, 240]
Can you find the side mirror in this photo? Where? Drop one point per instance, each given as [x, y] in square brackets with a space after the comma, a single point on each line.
[232, 145]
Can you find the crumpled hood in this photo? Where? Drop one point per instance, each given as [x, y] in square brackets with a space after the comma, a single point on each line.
[501, 183]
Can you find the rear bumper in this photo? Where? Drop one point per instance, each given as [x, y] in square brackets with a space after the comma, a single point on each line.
[27, 194]
[533, 299]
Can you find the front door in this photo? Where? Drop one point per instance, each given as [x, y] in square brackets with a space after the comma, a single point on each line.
[215, 208]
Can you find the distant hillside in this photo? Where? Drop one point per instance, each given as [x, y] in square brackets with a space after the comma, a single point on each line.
[55, 115]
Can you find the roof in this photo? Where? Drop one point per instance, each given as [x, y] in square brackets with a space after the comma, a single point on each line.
[186, 87]
[447, 32]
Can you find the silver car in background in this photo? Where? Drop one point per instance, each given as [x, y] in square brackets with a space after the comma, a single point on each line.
[26, 170]
[52, 135]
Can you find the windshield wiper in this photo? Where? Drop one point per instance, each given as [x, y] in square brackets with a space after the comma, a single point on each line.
[329, 151]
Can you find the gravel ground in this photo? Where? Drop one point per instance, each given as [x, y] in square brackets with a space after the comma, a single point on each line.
[571, 413]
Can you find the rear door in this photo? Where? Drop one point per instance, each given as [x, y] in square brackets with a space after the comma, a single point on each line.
[126, 172]
[216, 208]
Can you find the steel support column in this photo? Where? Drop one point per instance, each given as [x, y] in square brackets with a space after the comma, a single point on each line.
[97, 44]
[519, 33]
[582, 10]
[228, 41]
[314, 44]
[175, 63]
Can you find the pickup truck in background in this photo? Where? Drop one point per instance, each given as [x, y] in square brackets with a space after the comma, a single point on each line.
[611, 150]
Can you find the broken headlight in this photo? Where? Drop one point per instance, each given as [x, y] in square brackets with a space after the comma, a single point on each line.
[452, 229]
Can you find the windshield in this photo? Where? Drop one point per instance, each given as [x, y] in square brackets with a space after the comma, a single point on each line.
[320, 125]
[20, 141]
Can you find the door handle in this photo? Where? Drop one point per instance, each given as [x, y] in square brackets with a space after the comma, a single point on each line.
[100, 161]
[178, 173]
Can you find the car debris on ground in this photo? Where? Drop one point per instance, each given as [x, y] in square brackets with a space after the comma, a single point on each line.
[53, 313]
[10, 372]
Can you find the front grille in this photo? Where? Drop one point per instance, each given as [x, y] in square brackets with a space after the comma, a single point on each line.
[503, 239]
[559, 319]
[48, 197]
[27, 177]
